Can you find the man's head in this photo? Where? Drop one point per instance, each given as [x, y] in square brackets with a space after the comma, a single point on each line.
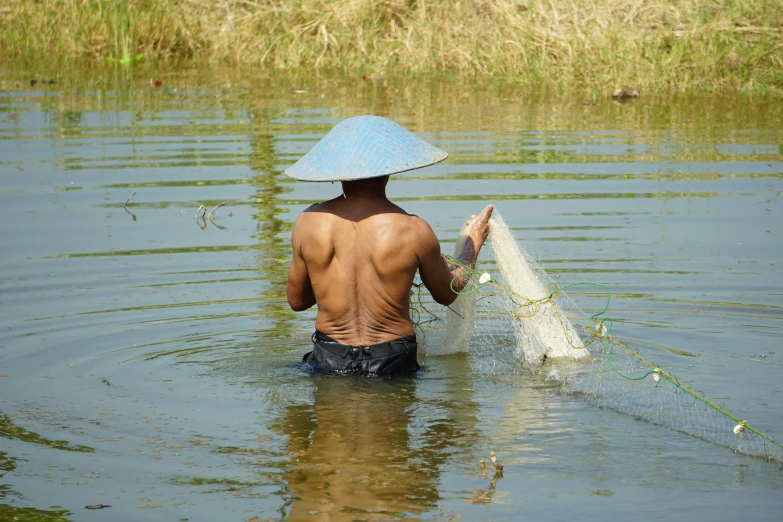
[364, 147]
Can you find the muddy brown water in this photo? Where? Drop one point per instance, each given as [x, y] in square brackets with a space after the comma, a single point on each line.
[149, 361]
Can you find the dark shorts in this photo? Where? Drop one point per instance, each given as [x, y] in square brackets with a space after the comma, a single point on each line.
[392, 358]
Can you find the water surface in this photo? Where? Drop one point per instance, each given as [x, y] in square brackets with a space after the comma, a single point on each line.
[148, 359]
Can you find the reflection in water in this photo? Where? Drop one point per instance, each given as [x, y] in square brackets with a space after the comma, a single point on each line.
[274, 250]
[352, 454]
[8, 496]
[373, 447]
[27, 514]
[9, 430]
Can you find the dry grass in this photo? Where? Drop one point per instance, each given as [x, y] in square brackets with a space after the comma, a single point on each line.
[654, 45]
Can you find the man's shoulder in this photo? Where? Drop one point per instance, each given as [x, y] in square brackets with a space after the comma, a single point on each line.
[391, 218]
[324, 206]
[414, 231]
[315, 211]
[420, 225]
[312, 222]
[405, 222]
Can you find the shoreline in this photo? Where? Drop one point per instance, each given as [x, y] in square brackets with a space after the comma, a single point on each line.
[555, 45]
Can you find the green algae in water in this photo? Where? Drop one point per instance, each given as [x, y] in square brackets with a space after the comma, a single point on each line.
[28, 514]
[9, 430]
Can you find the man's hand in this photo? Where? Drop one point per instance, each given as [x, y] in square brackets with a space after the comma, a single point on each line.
[477, 231]
[442, 280]
[478, 226]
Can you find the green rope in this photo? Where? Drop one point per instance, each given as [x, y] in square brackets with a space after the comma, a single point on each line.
[609, 358]
[472, 271]
[594, 327]
[696, 395]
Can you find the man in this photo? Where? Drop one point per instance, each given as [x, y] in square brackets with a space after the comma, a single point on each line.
[356, 255]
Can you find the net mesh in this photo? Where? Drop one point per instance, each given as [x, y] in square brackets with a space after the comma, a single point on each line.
[512, 318]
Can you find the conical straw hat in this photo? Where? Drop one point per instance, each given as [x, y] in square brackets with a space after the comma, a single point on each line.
[364, 147]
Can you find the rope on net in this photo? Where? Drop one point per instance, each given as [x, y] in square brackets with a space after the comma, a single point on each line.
[597, 327]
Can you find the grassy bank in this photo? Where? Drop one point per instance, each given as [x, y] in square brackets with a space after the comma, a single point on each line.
[598, 44]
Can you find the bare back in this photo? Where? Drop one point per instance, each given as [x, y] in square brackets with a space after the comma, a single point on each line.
[361, 256]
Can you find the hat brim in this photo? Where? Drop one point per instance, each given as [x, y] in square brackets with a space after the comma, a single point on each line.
[365, 147]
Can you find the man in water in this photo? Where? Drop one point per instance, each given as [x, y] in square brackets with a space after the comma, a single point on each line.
[356, 256]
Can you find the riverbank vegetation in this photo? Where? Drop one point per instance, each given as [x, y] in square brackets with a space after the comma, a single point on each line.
[649, 44]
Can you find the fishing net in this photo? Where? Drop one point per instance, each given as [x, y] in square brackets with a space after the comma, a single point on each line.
[512, 319]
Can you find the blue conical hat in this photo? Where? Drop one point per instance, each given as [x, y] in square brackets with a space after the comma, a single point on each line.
[364, 147]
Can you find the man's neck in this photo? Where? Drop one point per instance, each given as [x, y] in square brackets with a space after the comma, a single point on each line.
[366, 189]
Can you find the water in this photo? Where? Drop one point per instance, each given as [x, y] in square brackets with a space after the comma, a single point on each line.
[151, 365]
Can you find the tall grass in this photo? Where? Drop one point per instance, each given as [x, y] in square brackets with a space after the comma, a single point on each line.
[651, 44]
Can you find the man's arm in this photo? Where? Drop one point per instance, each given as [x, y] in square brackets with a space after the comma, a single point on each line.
[435, 272]
[299, 289]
